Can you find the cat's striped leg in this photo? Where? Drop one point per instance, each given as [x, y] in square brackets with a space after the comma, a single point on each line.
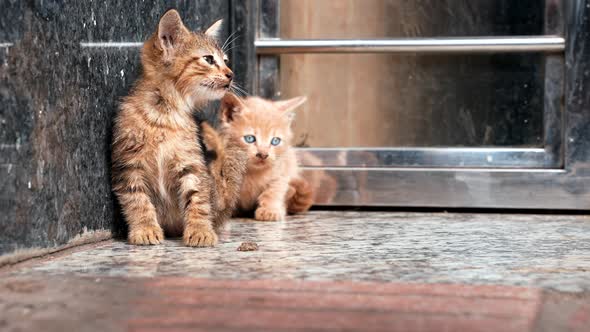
[195, 189]
[138, 209]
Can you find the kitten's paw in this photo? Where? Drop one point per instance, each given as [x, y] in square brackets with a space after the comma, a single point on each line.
[199, 236]
[269, 214]
[146, 234]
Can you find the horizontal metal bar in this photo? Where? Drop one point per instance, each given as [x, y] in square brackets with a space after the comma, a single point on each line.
[437, 170]
[549, 44]
[459, 188]
[427, 157]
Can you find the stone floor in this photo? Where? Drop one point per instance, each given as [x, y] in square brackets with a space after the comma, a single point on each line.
[345, 271]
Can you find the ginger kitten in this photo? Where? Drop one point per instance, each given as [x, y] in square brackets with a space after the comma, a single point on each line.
[159, 172]
[272, 185]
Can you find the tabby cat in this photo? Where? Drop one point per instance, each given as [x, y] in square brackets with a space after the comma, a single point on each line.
[159, 172]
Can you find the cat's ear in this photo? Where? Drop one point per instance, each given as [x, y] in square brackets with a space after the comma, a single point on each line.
[171, 32]
[288, 106]
[231, 106]
[215, 29]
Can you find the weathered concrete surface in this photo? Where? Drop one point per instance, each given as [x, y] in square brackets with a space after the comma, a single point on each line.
[545, 251]
[29, 254]
[344, 271]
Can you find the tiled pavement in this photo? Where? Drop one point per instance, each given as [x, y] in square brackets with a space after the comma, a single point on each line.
[327, 271]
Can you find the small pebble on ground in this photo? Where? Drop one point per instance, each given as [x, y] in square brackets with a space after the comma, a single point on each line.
[248, 246]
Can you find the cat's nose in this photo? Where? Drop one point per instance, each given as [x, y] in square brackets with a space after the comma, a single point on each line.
[262, 155]
[229, 75]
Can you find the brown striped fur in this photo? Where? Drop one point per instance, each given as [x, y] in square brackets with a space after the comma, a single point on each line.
[159, 172]
[272, 185]
[227, 168]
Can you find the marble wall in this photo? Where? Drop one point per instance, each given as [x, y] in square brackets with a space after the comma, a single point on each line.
[61, 76]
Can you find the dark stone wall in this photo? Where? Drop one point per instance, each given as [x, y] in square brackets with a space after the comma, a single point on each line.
[57, 102]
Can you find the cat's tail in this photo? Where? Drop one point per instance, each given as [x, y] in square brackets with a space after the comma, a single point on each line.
[299, 196]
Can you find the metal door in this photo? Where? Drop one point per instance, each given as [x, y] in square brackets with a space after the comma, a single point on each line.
[433, 103]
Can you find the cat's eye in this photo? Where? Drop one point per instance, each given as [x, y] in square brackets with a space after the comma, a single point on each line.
[249, 139]
[226, 61]
[275, 141]
[209, 59]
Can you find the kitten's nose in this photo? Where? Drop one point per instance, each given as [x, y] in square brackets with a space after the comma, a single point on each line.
[229, 75]
[262, 155]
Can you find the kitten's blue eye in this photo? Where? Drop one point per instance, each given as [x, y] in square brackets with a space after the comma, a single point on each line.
[250, 139]
[275, 141]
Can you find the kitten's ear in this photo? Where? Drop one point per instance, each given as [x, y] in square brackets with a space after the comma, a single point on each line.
[289, 105]
[171, 32]
[215, 29]
[231, 106]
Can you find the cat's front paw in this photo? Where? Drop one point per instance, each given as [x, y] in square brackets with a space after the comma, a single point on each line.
[199, 236]
[146, 234]
[269, 214]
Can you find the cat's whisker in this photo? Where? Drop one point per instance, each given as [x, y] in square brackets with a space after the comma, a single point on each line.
[237, 88]
[225, 43]
[242, 88]
[230, 43]
[236, 92]
[234, 83]
[240, 91]
[231, 48]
